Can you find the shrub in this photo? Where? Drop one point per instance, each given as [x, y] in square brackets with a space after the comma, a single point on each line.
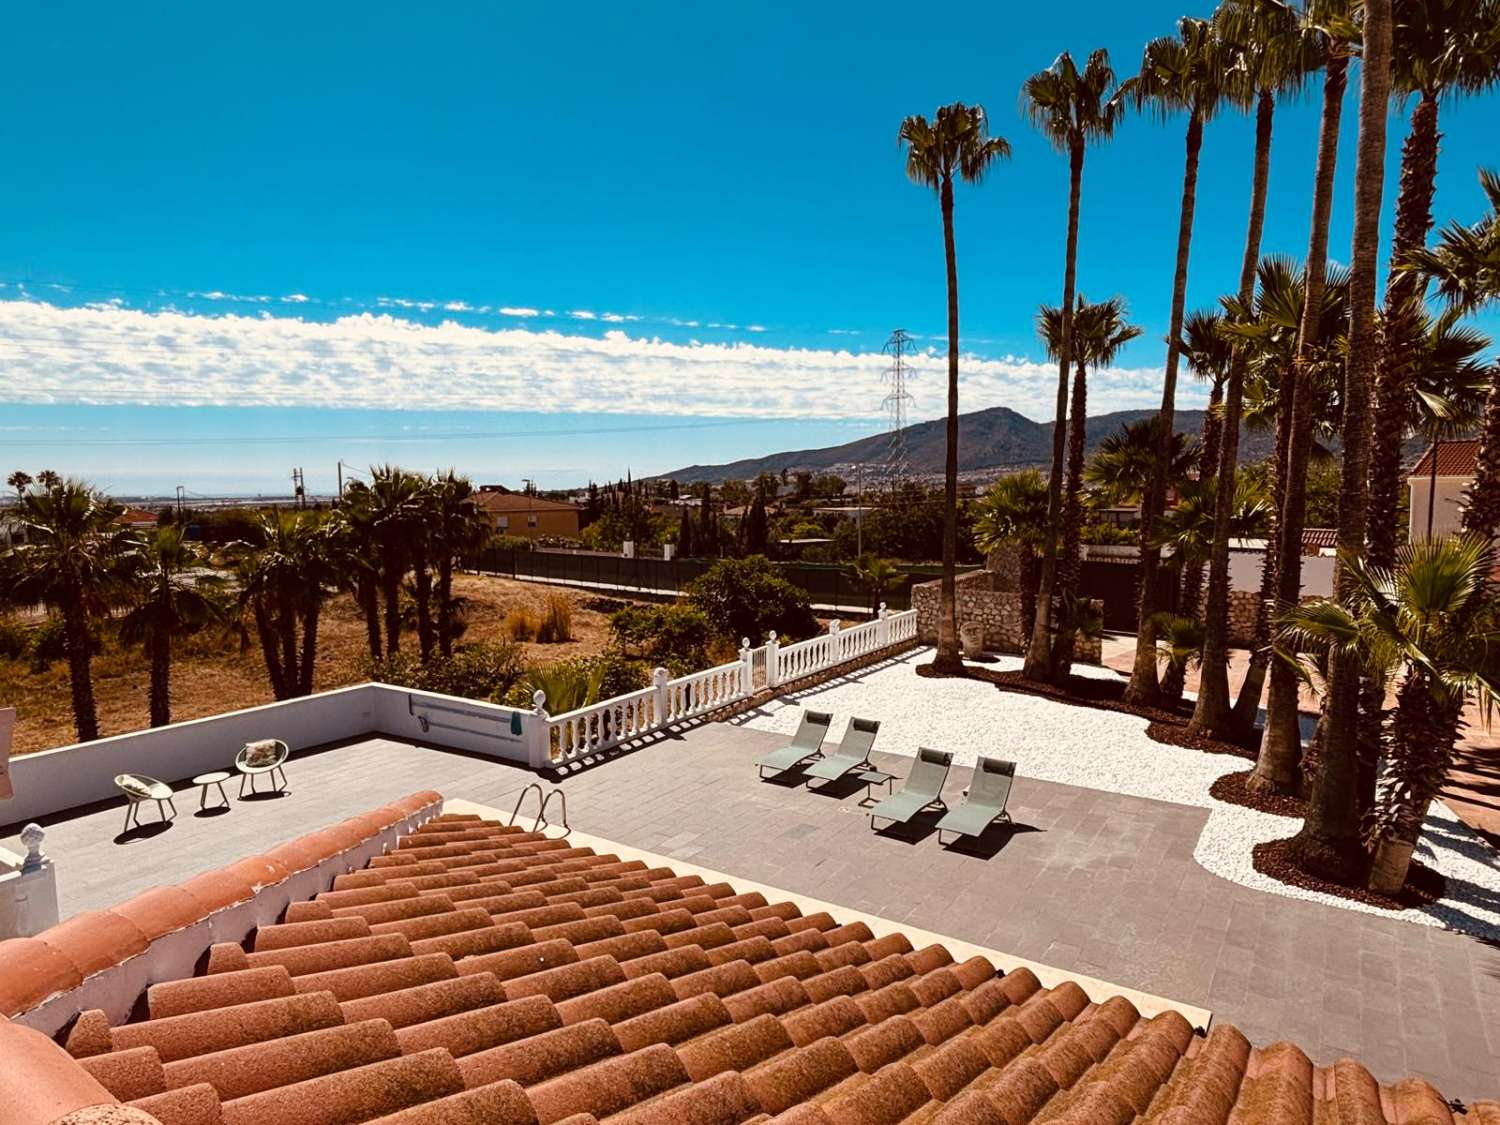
[557, 621]
[521, 625]
[49, 642]
[478, 671]
[582, 680]
[15, 639]
[748, 598]
[675, 636]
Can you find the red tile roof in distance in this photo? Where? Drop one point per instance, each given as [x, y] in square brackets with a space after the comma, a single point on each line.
[520, 502]
[484, 974]
[1454, 459]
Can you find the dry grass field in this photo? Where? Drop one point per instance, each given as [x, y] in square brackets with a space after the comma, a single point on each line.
[211, 672]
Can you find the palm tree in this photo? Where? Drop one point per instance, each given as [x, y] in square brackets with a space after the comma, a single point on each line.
[1185, 73]
[1273, 55]
[394, 499]
[1269, 332]
[354, 554]
[1209, 354]
[1099, 332]
[1465, 266]
[283, 576]
[956, 143]
[170, 603]
[76, 561]
[1441, 47]
[1336, 32]
[1446, 389]
[1011, 515]
[1422, 621]
[1072, 109]
[456, 527]
[1180, 645]
[1124, 463]
[877, 575]
[1329, 844]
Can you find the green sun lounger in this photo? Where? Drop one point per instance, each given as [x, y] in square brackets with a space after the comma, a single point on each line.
[806, 743]
[988, 793]
[853, 753]
[923, 789]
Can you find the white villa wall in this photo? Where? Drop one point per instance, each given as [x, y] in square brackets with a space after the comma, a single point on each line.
[1245, 568]
[1447, 513]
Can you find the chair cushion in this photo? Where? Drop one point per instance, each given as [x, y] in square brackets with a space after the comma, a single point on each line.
[137, 788]
[266, 752]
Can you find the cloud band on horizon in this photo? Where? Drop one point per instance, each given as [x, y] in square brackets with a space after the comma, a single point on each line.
[111, 355]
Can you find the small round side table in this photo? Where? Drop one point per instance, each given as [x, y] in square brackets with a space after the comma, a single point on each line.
[217, 777]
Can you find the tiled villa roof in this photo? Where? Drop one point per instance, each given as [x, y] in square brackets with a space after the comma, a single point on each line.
[484, 974]
[520, 502]
[1454, 459]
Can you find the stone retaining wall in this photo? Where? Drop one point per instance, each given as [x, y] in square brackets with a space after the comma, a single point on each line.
[999, 611]
[1242, 607]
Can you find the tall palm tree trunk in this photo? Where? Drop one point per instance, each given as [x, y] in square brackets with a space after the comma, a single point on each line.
[1281, 745]
[308, 657]
[286, 630]
[1144, 689]
[1070, 569]
[1329, 844]
[80, 670]
[368, 595]
[160, 645]
[1247, 704]
[265, 632]
[1393, 365]
[1211, 713]
[445, 600]
[947, 659]
[1482, 506]
[1038, 663]
[422, 590]
[390, 578]
[1190, 600]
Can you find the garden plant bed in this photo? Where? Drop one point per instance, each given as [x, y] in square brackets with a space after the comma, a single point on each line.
[1164, 726]
[1424, 886]
[1233, 789]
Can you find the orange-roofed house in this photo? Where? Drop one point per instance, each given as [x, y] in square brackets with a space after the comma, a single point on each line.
[137, 518]
[518, 513]
[1438, 484]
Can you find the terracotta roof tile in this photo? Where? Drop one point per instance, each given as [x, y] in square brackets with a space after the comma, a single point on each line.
[483, 975]
[1454, 459]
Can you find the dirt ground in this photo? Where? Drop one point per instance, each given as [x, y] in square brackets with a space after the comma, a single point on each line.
[211, 673]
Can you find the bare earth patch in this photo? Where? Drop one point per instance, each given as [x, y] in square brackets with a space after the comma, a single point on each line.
[212, 673]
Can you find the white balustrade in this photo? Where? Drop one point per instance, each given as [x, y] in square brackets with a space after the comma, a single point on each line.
[604, 725]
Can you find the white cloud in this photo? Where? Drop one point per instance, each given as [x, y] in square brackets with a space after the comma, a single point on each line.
[755, 327]
[458, 306]
[119, 355]
[296, 298]
[583, 314]
[510, 310]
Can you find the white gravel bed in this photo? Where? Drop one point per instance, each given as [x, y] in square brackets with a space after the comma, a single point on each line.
[1108, 750]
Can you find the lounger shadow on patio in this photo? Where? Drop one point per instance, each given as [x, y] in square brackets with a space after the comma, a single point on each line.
[853, 753]
[923, 789]
[806, 743]
[989, 791]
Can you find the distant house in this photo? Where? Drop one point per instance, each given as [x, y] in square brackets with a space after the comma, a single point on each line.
[1438, 483]
[531, 517]
[137, 518]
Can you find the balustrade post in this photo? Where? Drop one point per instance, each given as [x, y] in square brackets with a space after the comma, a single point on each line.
[659, 682]
[747, 668]
[541, 731]
[883, 630]
[773, 671]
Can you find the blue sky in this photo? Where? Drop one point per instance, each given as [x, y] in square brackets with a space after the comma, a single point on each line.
[240, 242]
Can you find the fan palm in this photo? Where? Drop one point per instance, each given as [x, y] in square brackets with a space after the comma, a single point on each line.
[1011, 515]
[1328, 846]
[76, 560]
[955, 144]
[1099, 332]
[877, 575]
[170, 602]
[283, 573]
[1179, 644]
[394, 497]
[1209, 354]
[455, 528]
[1333, 25]
[1073, 109]
[354, 554]
[1442, 48]
[1428, 621]
[1186, 73]
[1126, 460]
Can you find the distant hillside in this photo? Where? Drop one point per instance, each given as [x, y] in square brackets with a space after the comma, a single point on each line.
[993, 439]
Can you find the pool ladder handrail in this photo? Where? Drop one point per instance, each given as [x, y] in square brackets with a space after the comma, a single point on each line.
[541, 822]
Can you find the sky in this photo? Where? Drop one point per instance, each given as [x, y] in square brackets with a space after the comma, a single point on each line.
[564, 242]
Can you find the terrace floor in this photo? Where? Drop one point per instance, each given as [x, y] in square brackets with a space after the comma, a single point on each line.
[1088, 881]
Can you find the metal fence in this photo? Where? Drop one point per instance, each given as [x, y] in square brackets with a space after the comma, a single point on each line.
[828, 586]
